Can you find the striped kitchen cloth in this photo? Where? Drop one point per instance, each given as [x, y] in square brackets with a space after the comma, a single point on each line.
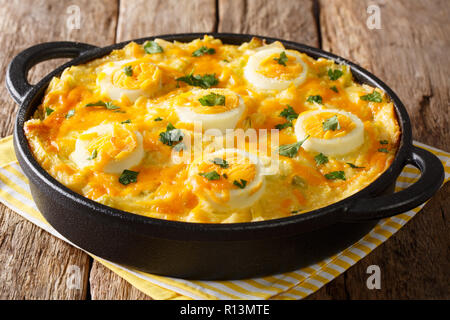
[15, 194]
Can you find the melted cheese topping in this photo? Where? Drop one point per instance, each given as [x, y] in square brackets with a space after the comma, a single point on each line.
[111, 130]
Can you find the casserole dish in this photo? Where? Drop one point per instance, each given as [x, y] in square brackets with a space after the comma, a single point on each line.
[211, 251]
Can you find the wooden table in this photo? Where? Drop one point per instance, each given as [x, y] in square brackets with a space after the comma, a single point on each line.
[409, 52]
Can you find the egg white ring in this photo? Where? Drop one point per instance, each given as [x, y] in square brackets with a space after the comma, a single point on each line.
[262, 82]
[113, 92]
[335, 146]
[241, 198]
[80, 155]
[221, 121]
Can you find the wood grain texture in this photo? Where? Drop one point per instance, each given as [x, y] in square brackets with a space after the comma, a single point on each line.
[138, 19]
[144, 18]
[34, 264]
[287, 19]
[408, 54]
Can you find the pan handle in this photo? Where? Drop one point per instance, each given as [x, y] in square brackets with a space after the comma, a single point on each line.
[17, 72]
[432, 177]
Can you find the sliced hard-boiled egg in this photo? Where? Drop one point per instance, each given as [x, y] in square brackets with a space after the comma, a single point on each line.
[130, 78]
[111, 148]
[213, 108]
[228, 179]
[332, 132]
[275, 69]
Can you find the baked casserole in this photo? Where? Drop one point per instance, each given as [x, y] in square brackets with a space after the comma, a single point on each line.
[211, 132]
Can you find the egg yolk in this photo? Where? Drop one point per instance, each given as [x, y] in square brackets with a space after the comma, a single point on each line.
[211, 101]
[314, 125]
[118, 144]
[273, 67]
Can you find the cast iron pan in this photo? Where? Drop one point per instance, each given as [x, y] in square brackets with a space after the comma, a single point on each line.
[211, 251]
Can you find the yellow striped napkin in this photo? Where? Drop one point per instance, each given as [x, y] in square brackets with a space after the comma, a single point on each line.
[15, 193]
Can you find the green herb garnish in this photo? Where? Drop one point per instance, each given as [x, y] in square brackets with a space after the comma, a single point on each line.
[373, 97]
[203, 50]
[335, 175]
[240, 184]
[212, 99]
[70, 114]
[321, 159]
[100, 103]
[354, 166]
[128, 70]
[334, 89]
[384, 142]
[171, 135]
[334, 74]
[282, 59]
[316, 99]
[212, 175]
[158, 119]
[128, 177]
[205, 81]
[220, 162]
[383, 150]
[289, 113]
[126, 121]
[48, 111]
[152, 47]
[331, 124]
[93, 155]
[281, 126]
[291, 150]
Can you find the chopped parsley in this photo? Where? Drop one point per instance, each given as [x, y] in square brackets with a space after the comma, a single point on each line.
[126, 121]
[316, 99]
[171, 135]
[354, 166]
[203, 50]
[282, 126]
[212, 99]
[335, 175]
[128, 70]
[100, 103]
[205, 81]
[289, 113]
[334, 89]
[93, 155]
[240, 184]
[334, 74]
[384, 142]
[48, 111]
[282, 59]
[331, 124]
[152, 47]
[220, 162]
[70, 114]
[291, 150]
[321, 159]
[212, 175]
[383, 150]
[373, 97]
[128, 177]
[158, 119]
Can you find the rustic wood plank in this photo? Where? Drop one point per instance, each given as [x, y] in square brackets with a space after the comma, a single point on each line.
[409, 54]
[34, 264]
[290, 19]
[139, 18]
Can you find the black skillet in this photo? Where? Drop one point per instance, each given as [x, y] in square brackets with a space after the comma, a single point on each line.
[211, 251]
